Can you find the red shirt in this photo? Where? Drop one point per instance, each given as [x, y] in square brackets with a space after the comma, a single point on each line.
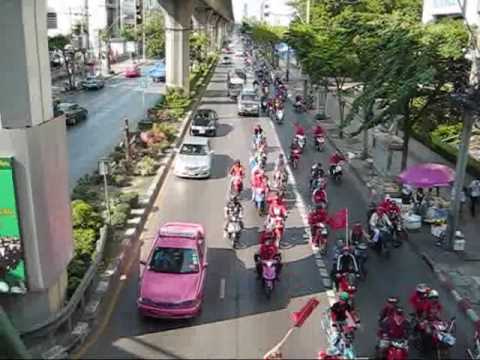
[319, 215]
[396, 329]
[433, 310]
[267, 252]
[279, 208]
[418, 303]
[319, 196]
[237, 170]
[265, 236]
[318, 131]
[299, 130]
[336, 158]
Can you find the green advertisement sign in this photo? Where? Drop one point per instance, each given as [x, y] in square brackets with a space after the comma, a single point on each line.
[12, 265]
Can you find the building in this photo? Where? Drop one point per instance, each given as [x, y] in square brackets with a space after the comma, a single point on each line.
[438, 9]
[279, 15]
[87, 18]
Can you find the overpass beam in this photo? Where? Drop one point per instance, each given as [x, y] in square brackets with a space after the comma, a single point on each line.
[178, 15]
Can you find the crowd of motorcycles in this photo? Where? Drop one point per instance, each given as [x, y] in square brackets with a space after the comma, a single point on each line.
[424, 329]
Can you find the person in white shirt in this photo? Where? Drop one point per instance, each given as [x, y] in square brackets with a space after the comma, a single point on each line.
[463, 197]
[474, 195]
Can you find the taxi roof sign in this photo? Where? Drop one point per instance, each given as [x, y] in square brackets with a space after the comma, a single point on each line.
[179, 231]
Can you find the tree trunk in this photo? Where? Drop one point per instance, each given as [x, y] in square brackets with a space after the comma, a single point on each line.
[341, 110]
[367, 117]
[406, 138]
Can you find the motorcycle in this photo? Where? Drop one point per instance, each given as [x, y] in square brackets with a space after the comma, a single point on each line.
[279, 116]
[320, 237]
[269, 275]
[336, 171]
[300, 141]
[382, 246]
[436, 336]
[361, 254]
[236, 185]
[277, 224]
[391, 349]
[295, 157]
[319, 143]
[280, 181]
[234, 230]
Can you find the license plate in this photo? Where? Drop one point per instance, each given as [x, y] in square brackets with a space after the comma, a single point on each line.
[201, 131]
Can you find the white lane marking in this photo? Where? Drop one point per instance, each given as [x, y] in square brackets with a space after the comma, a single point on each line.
[222, 288]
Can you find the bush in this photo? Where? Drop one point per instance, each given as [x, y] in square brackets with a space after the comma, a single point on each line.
[119, 219]
[176, 98]
[130, 198]
[447, 132]
[169, 130]
[84, 216]
[84, 240]
[122, 207]
[83, 192]
[145, 167]
[119, 180]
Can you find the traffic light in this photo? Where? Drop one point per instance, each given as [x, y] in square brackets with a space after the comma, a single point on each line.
[139, 12]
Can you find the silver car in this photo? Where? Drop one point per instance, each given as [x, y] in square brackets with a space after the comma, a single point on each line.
[248, 103]
[194, 158]
[93, 82]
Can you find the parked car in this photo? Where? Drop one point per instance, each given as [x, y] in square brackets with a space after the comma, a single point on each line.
[248, 103]
[74, 113]
[92, 82]
[158, 72]
[204, 123]
[226, 60]
[194, 159]
[172, 282]
[132, 71]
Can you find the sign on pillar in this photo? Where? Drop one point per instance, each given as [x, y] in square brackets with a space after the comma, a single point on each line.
[12, 263]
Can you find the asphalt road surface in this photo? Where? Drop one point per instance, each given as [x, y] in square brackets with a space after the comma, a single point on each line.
[237, 320]
[107, 108]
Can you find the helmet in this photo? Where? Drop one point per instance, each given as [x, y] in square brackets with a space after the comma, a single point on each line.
[392, 300]
[237, 162]
[344, 296]
[433, 294]
[421, 288]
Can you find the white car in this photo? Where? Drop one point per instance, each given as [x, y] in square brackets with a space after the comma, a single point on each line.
[248, 103]
[226, 60]
[194, 158]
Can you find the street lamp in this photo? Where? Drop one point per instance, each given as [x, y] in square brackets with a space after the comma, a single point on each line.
[103, 170]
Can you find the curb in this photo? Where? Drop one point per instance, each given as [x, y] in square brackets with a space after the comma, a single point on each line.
[113, 272]
[463, 303]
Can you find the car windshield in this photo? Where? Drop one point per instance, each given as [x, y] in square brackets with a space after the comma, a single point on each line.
[67, 107]
[203, 118]
[174, 261]
[249, 97]
[193, 149]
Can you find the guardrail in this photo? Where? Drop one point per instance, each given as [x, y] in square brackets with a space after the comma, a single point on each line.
[64, 316]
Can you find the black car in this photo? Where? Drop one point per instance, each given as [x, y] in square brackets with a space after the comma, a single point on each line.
[204, 123]
[74, 113]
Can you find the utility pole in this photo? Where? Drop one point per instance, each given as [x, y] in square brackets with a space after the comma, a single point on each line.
[87, 28]
[468, 120]
[144, 19]
[287, 71]
[126, 129]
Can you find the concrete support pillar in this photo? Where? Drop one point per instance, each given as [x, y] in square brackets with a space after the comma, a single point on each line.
[37, 145]
[199, 17]
[178, 14]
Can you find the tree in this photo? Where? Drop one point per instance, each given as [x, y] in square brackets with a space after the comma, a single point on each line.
[155, 34]
[61, 44]
[198, 47]
[266, 37]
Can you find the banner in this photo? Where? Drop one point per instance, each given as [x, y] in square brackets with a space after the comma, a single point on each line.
[338, 220]
[12, 266]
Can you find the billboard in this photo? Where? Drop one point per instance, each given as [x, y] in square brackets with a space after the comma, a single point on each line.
[12, 265]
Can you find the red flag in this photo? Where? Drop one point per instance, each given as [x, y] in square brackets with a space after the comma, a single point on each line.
[339, 220]
[299, 317]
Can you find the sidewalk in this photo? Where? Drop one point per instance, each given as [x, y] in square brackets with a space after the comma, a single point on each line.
[460, 273]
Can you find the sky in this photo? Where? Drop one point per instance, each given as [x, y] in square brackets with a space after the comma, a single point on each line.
[277, 7]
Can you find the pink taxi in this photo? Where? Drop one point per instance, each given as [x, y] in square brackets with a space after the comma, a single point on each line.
[173, 278]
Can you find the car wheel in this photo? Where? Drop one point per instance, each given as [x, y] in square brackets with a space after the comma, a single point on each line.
[214, 133]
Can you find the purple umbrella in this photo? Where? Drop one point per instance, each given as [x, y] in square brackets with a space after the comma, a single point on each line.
[427, 175]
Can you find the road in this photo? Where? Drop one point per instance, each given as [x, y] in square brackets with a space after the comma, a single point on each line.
[237, 320]
[107, 108]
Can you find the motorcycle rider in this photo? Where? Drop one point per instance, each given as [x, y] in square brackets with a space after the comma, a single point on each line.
[233, 209]
[268, 251]
[358, 234]
[277, 208]
[317, 215]
[280, 163]
[344, 263]
[418, 300]
[319, 131]
[378, 220]
[335, 159]
[396, 325]
[341, 310]
[433, 308]
[319, 197]
[389, 308]
[237, 169]
[299, 129]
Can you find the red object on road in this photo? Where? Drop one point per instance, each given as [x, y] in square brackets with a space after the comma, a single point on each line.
[339, 220]
[299, 317]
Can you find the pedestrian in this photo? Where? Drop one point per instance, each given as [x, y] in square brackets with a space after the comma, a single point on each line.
[474, 194]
